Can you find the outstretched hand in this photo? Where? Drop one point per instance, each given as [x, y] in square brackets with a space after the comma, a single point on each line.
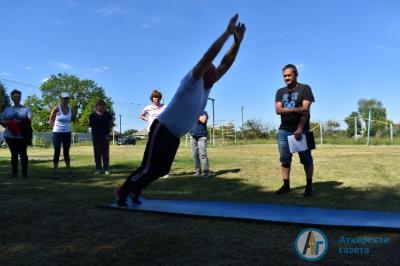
[238, 32]
[232, 24]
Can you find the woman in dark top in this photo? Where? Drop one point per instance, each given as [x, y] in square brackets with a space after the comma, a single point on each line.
[101, 122]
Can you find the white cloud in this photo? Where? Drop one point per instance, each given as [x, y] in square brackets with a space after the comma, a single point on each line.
[101, 69]
[107, 11]
[380, 47]
[73, 4]
[58, 21]
[28, 68]
[384, 48]
[61, 65]
[301, 67]
[159, 21]
[145, 26]
[5, 74]
[44, 80]
[156, 20]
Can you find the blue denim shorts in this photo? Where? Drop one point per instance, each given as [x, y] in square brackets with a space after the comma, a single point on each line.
[284, 152]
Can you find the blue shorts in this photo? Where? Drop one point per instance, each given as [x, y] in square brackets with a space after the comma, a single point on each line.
[285, 155]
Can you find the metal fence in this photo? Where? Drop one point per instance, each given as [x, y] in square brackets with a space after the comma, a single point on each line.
[44, 139]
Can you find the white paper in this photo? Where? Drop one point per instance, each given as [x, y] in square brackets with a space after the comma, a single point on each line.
[297, 145]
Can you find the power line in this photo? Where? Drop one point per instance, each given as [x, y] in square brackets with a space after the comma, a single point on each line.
[128, 103]
[37, 87]
[20, 83]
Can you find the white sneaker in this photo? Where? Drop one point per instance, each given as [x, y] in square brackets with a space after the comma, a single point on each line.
[166, 176]
[107, 172]
[97, 172]
[198, 173]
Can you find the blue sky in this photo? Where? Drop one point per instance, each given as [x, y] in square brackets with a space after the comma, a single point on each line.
[346, 50]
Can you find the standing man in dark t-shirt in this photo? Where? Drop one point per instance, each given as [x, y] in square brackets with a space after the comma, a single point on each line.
[198, 142]
[101, 123]
[293, 104]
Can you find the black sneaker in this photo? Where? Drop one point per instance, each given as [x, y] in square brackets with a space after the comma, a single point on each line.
[121, 203]
[284, 189]
[308, 192]
[135, 196]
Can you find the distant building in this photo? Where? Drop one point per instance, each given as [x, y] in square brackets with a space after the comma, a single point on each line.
[141, 134]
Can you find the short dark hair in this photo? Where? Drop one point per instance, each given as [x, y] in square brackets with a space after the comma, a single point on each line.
[293, 67]
[100, 102]
[15, 91]
[155, 93]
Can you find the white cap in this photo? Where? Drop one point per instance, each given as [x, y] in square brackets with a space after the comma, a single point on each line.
[64, 95]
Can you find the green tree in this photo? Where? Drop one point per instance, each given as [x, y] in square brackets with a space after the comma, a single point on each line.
[129, 132]
[331, 127]
[378, 114]
[84, 94]
[254, 129]
[4, 98]
[40, 113]
[314, 126]
[350, 121]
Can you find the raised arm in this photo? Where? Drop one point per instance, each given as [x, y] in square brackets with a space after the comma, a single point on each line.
[230, 56]
[215, 48]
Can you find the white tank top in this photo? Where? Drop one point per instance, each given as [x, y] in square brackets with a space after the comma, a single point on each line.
[62, 122]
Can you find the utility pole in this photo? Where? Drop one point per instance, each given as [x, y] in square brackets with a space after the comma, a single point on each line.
[213, 119]
[242, 115]
[120, 126]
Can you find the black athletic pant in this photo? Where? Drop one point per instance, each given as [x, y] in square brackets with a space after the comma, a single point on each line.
[18, 147]
[101, 147]
[157, 159]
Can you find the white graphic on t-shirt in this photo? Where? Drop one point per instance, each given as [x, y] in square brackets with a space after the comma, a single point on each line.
[289, 100]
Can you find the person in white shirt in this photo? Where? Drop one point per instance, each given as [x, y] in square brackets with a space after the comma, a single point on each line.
[152, 111]
[60, 120]
[181, 114]
[12, 119]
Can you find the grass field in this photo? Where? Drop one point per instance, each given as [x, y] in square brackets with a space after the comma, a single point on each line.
[47, 222]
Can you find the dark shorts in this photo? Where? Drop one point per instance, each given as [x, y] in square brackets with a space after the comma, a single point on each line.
[285, 155]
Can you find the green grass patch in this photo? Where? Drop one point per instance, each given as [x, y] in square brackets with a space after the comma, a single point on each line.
[47, 222]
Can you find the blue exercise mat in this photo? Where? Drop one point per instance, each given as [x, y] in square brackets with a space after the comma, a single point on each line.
[267, 212]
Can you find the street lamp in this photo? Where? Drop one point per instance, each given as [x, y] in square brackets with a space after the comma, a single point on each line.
[242, 115]
[213, 119]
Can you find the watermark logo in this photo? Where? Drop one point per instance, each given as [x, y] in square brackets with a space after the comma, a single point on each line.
[311, 244]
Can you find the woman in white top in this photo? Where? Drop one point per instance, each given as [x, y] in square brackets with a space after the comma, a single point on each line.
[152, 111]
[12, 119]
[60, 120]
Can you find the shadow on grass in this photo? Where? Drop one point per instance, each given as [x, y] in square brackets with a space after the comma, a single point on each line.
[211, 174]
[59, 217]
[220, 186]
